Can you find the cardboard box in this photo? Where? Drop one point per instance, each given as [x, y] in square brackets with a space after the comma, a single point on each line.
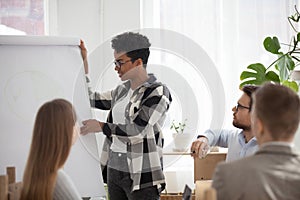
[205, 167]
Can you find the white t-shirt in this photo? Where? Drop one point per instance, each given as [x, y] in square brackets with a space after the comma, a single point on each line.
[118, 114]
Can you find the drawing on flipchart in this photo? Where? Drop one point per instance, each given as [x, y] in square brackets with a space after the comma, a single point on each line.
[25, 91]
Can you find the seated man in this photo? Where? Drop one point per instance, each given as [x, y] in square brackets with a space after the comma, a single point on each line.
[273, 172]
[240, 142]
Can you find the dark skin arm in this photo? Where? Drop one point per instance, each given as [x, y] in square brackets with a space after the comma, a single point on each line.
[84, 56]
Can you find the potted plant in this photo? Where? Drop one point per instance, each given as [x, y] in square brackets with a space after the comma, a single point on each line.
[281, 69]
[178, 127]
[182, 140]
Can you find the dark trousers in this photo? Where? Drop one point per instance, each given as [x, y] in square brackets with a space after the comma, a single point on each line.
[119, 187]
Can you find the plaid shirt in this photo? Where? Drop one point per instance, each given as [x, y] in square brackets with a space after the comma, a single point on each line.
[142, 131]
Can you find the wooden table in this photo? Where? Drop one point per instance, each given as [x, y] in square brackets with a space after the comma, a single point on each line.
[173, 196]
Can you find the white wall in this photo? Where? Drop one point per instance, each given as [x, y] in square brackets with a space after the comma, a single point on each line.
[76, 18]
[120, 16]
[93, 20]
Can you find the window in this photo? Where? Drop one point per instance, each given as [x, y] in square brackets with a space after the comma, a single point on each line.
[231, 33]
[22, 17]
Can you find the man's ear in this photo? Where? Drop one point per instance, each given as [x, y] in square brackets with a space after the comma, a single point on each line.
[138, 62]
[260, 127]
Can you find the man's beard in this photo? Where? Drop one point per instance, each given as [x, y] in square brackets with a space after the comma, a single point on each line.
[241, 126]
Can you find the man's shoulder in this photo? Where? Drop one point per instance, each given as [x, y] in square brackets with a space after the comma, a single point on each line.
[236, 168]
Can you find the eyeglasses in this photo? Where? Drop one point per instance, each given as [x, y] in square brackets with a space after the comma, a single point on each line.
[119, 64]
[240, 106]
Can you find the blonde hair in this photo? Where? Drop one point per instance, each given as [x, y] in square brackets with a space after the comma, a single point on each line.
[50, 147]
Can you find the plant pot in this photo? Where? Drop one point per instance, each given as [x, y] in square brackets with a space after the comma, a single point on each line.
[183, 141]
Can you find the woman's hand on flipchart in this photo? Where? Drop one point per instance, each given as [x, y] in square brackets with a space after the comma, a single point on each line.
[84, 56]
[91, 126]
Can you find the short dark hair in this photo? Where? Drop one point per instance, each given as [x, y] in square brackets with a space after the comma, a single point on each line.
[134, 45]
[249, 89]
[278, 107]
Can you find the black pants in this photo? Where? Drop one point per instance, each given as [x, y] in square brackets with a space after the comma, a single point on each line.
[119, 187]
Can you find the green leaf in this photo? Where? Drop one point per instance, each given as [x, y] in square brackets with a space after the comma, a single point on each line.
[289, 62]
[284, 65]
[272, 76]
[291, 84]
[298, 36]
[256, 76]
[258, 67]
[246, 74]
[272, 45]
[283, 72]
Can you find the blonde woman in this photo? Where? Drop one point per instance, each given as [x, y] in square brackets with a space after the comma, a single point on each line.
[55, 131]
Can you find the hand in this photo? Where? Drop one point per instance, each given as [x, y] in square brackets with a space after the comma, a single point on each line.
[200, 147]
[91, 126]
[84, 56]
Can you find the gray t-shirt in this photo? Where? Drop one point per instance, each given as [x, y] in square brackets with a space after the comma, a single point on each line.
[64, 188]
